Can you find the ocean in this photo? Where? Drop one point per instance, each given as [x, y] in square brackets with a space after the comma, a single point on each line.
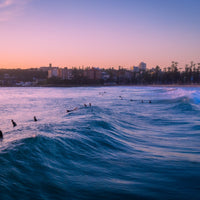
[120, 147]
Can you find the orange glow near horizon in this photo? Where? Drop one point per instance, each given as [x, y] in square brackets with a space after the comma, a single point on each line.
[106, 34]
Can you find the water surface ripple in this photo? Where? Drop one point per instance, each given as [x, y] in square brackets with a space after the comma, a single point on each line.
[119, 148]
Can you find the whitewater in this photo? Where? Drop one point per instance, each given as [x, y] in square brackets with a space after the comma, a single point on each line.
[120, 147]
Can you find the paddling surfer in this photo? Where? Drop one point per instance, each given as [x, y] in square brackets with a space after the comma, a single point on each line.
[71, 110]
[1, 135]
[35, 119]
[13, 123]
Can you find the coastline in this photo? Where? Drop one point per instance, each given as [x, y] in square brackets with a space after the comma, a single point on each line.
[110, 85]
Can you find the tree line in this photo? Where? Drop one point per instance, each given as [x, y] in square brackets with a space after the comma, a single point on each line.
[190, 74]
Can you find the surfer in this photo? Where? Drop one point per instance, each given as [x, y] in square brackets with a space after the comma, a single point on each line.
[85, 105]
[72, 110]
[35, 119]
[149, 101]
[14, 123]
[1, 135]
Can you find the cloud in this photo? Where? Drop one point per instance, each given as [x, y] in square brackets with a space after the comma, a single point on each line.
[11, 8]
[5, 3]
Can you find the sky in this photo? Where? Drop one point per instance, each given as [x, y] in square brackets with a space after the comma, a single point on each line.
[100, 33]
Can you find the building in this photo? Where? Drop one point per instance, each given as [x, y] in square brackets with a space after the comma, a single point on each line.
[135, 69]
[128, 74]
[66, 74]
[142, 66]
[46, 69]
[53, 72]
[105, 76]
[93, 74]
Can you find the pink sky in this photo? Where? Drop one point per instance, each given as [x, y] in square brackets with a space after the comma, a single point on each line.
[35, 34]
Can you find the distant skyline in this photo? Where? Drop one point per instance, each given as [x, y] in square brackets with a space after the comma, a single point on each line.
[101, 33]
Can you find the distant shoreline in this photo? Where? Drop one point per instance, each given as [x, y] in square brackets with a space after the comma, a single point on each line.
[116, 85]
[145, 85]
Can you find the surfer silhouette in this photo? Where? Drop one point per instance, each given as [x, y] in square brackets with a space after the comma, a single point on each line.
[72, 109]
[1, 135]
[35, 119]
[14, 123]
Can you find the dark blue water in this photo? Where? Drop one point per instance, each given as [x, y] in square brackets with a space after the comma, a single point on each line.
[119, 148]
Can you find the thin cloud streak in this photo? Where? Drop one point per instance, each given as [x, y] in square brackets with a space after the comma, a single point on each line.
[6, 3]
[10, 8]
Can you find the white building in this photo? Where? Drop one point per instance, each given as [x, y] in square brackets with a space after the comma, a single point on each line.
[64, 74]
